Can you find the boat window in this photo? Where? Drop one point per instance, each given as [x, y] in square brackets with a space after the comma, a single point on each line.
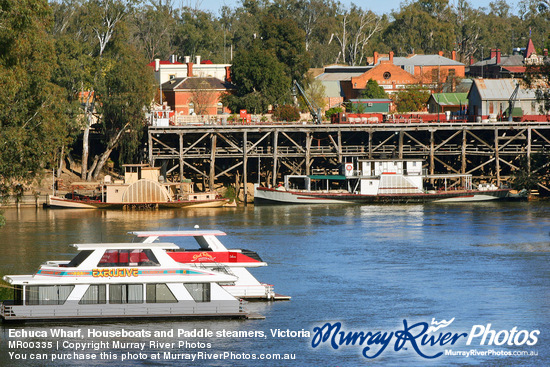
[128, 258]
[95, 294]
[47, 294]
[199, 291]
[159, 293]
[125, 293]
[79, 258]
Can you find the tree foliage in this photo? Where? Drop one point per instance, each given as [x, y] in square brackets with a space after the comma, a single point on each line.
[260, 79]
[286, 113]
[373, 91]
[34, 119]
[411, 100]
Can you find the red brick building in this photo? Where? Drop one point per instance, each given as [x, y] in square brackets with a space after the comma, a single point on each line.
[196, 95]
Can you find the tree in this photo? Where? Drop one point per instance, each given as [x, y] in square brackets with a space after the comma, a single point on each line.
[260, 79]
[373, 91]
[412, 100]
[155, 26]
[424, 26]
[356, 28]
[202, 95]
[126, 90]
[34, 124]
[286, 113]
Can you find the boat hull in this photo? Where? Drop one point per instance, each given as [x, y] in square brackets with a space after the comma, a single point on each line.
[264, 195]
[73, 310]
[55, 202]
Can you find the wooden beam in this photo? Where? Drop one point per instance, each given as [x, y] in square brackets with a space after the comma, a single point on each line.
[293, 142]
[229, 169]
[212, 176]
[275, 158]
[245, 164]
[195, 143]
[230, 142]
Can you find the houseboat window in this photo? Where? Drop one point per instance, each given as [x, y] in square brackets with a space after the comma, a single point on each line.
[79, 258]
[47, 294]
[159, 293]
[128, 258]
[125, 293]
[199, 291]
[95, 294]
[17, 295]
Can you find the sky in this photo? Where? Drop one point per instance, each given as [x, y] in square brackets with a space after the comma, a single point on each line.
[378, 6]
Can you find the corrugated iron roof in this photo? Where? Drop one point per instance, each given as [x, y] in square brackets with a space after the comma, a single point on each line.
[424, 60]
[502, 89]
[451, 99]
[333, 89]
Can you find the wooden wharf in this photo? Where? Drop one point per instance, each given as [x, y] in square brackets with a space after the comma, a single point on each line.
[264, 153]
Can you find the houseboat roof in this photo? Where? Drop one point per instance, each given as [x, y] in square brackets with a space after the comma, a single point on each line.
[191, 233]
[125, 246]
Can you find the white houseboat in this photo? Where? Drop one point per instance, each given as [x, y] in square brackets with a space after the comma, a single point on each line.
[121, 280]
[378, 181]
[213, 255]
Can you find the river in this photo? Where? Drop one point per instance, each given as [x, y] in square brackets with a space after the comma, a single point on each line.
[377, 269]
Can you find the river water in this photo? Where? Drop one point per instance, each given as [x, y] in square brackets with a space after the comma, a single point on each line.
[371, 268]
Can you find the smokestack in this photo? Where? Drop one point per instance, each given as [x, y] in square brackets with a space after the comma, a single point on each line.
[375, 61]
[453, 55]
[391, 57]
[498, 56]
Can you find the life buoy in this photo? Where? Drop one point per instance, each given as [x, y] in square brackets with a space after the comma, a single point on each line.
[349, 167]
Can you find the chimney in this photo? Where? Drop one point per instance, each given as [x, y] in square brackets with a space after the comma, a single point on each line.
[157, 64]
[173, 59]
[189, 69]
[391, 57]
[440, 53]
[545, 52]
[375, 61]
[197, 60]
[186, 59]
[453, 55]
[228, 73]
[498, 56]
[471, 60]
[493, 53]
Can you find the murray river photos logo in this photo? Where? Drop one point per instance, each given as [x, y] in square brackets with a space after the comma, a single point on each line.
[425, 339]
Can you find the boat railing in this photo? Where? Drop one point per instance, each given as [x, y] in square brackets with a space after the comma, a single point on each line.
[6, 309]
[269, 291]
[141, 309]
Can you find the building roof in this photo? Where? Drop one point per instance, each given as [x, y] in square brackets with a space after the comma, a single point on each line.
[451, 99]
[193, 83]
[373, 100]
[333, 88]
[513, 60]
[424, 60]
[530, 49]
[501, 89]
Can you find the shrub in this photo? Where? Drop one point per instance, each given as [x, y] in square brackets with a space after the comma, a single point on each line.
[286, 113]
